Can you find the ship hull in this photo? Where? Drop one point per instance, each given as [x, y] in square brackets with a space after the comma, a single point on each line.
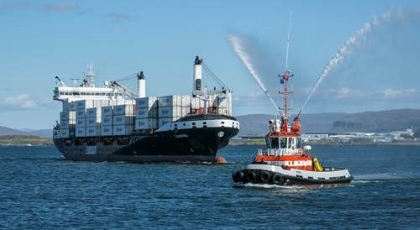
[183, 145]
[271, 174]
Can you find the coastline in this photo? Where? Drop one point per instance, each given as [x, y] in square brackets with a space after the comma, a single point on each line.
[261, 141]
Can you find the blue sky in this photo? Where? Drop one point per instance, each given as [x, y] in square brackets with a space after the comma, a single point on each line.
[42, 39]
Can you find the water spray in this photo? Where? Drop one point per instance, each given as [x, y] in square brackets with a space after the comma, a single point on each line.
[347, 47]
[238, 47]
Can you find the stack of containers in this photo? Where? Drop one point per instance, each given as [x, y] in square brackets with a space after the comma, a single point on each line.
[81, 116]
[146, 113]
[67, 119]
[123, 119]
[93, 121]
[173, 107]
[88, 117]
[106, 121]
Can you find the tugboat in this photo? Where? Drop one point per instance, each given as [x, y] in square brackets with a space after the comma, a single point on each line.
[285, 161]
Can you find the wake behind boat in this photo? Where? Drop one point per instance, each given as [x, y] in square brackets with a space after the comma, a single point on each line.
[284, 161]
[113, 123]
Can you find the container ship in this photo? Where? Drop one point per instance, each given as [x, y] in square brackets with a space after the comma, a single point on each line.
[114, 123]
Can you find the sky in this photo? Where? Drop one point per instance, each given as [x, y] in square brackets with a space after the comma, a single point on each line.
[346, 56]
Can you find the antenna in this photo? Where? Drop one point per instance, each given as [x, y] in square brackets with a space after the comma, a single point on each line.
[284, 79]
[288, 39]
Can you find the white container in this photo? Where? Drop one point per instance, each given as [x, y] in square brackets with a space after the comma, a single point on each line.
[107, 110]
[107, 120]
[106, 130]
[122, 130]
[146, 102]
[69, 106]
[93, 131]
[123, 120]
[92, 121]
[64, 123]
[164, 121]
[81, 122]
[93, 112]
[176, 111]
[84, 104]
[147, 112]
[196, 103]
[146, 123]
[174, 100]
[80, 131]
[124, 110]
[80, 113]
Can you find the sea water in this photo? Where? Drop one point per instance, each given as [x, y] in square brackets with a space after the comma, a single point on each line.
[39, 189]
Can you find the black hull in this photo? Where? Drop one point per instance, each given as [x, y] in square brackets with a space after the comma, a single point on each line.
[273, 178]
[188, 145]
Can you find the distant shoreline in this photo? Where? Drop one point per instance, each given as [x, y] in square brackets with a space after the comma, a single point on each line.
[261, 141]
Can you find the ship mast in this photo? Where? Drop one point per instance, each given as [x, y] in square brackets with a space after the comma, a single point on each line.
[284, 79]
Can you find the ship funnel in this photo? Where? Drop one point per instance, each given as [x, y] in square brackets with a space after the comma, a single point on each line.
[197, 74]
[141, 85]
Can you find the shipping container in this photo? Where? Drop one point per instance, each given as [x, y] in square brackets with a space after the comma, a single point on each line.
[147, 112]
[126, 109]
[197, 102]
[80, 131]
[80, 113]
[122, 130]
[146, 102]
[92, 121]
[146, 123]
[123, 120]
[106, 130]
[175, 111]
[107, 120]
[84, 104]
[81, 122]
[174, 100]
[93, 112]
[107, 110]
[93, 131]
[69, 115]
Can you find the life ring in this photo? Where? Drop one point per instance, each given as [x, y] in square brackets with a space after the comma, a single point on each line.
[264, 177]
[250, 176]
[276, 179]
[237, 176]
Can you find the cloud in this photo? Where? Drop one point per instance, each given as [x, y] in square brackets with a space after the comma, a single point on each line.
[13, 6]
[394, 93]
[60, 7]
[118, 17]
[345, 92]
[23, 101]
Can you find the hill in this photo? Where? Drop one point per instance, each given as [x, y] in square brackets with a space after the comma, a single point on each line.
[257, 124]
[43, 133]
[382, 121]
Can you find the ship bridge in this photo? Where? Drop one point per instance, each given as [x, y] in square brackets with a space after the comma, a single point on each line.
[88, 91]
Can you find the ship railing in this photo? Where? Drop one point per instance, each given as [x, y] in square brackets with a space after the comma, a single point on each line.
[279, 152]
